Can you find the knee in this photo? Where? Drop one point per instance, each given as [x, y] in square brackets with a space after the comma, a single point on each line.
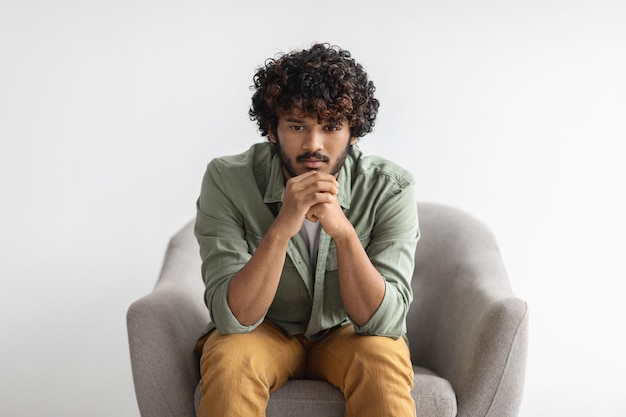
[382, 358]
[228, 355]
[382, 349]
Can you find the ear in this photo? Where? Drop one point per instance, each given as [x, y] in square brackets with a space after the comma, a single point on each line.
[353, 140]
[272, 136]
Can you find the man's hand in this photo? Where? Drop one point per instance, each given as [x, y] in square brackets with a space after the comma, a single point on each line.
[332, 218]
[313, 196]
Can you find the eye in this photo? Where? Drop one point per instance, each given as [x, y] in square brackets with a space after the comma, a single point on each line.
[297, 128]
[334, 126]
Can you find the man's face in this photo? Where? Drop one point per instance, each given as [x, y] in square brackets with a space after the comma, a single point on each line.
[304, 145]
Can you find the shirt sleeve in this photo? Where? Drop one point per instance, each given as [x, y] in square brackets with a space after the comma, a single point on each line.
[392, 252]
[220, 232]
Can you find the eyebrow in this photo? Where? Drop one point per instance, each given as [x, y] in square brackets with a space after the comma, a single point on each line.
[294, 120]
[291, 119]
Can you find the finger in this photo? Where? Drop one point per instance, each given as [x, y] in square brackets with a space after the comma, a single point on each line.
[312, 176]
[319, 204]
[312, 217]
[307, 191]
[311, 214]
[302, 177]
[320, 182]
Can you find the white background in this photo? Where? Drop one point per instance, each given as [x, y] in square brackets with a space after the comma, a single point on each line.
[110, 110]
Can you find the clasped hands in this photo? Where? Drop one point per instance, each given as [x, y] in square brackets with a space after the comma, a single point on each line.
[312, 196]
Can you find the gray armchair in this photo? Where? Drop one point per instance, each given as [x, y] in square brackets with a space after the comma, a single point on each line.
[467, 330]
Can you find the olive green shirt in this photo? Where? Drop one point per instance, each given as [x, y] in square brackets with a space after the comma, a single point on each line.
[238, 201]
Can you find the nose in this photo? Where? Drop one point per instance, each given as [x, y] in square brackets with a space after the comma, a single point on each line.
[314, 141]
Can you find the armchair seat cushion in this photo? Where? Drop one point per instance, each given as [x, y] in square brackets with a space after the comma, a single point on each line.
[433, 397]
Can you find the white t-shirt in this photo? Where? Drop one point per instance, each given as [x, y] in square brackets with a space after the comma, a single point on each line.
[311, 233]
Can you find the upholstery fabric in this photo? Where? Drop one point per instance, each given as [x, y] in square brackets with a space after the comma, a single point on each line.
[467, 330]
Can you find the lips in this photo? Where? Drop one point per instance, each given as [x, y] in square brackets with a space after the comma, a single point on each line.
[312, 163]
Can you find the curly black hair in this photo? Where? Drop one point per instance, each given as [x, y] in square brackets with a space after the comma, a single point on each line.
[323, 81]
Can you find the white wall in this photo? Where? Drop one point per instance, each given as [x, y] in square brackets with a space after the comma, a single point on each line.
[109, 111]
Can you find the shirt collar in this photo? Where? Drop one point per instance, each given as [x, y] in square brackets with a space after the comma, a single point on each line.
[275, 185]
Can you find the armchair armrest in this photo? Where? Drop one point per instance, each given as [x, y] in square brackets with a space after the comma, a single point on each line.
[466, 324]
[163, 327]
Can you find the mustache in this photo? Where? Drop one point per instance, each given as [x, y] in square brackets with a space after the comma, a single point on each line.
[312, 155]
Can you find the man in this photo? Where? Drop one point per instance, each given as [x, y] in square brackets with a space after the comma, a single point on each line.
[307, 248]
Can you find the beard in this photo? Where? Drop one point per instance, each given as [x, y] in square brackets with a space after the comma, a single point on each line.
[288, 166]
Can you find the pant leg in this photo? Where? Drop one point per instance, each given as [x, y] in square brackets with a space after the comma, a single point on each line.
[373, 372]
[239, 371]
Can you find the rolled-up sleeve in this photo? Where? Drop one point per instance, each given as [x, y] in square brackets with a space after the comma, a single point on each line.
[392, 252]
[220, 232]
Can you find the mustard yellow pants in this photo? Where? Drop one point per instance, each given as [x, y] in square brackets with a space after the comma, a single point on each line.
[240, 371]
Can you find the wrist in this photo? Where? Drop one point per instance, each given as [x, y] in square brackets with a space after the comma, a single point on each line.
[277, 235]
[345, 235]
